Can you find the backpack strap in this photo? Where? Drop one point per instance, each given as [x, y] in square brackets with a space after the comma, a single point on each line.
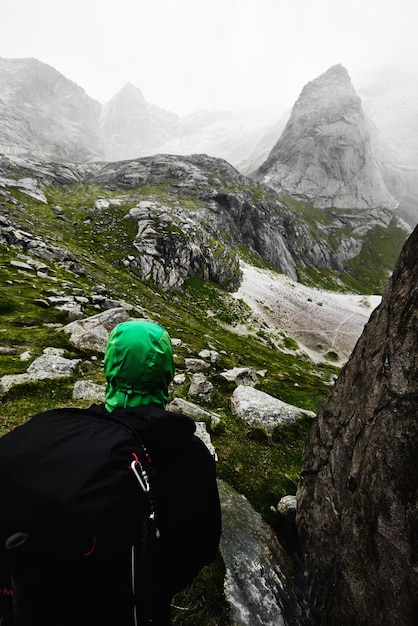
[144, 553]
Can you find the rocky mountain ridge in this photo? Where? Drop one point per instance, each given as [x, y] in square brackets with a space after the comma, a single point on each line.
[45, 115]
[132, 127]
[198, 212]
[42, 114]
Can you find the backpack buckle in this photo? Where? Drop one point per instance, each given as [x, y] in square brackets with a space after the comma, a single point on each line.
[140, 475]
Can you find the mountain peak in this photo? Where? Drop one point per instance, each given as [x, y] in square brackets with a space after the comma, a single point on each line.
[332, 88]
[325, 154]
[130, 93]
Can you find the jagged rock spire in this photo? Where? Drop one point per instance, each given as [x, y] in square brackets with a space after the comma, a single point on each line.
[325, 154]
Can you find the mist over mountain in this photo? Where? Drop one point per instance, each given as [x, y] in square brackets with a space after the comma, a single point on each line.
[43, 113]
[390, 99]
[131, 126]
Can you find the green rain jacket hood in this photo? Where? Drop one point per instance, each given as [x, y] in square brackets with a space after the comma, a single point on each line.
[138, 365]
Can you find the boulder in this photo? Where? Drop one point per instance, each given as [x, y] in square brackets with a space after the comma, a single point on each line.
[257, 585]
[45, 367]
[241, 376]
[179, 405]
[87, 390]
[258, 408]
[92, 332]
[200, 387]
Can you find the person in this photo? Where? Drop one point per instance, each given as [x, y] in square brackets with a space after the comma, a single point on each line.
[139, 366]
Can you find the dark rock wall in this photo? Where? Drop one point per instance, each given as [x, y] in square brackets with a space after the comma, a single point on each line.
[357, 501]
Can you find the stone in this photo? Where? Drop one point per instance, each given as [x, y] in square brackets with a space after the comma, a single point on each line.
[20, 265]
[92, 332]
[52, 366]
[287, 507]
[46, 366]
[179, 379]
[257, 585]
[196, 365]
[202, 433]
[258, 408]
[88, 390]
[73, 309]
[212, 355]
[196, 412]
[357, 515]
[241, 376]
[200, 387]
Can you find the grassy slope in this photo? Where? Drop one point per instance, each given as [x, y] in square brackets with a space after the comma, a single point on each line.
[262, 468]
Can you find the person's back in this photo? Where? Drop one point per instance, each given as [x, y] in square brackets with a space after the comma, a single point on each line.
[135, 583]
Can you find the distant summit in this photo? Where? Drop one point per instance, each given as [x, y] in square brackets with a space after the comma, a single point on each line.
[329, 154]
[46, 115]
[325, 154]
[130, 126]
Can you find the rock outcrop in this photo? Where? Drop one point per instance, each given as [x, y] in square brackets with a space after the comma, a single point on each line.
[325, 154]
[194, 214]
[172, 247]
[357, 515]
[257, 584]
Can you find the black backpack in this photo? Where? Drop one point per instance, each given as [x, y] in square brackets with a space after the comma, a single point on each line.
[77, 508]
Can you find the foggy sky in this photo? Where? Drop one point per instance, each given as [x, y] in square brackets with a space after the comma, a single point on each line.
[187, 55]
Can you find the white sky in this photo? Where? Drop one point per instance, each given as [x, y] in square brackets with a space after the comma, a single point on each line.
[187, 55]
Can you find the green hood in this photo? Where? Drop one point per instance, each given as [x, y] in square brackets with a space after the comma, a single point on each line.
[138, 365]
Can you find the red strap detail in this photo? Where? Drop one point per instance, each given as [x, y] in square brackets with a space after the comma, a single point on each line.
[147, 456]
[6, 591]
[135, 457]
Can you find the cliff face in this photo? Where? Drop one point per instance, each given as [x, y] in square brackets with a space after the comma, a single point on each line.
[325, 154]
[357, 498]
[43, 113]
